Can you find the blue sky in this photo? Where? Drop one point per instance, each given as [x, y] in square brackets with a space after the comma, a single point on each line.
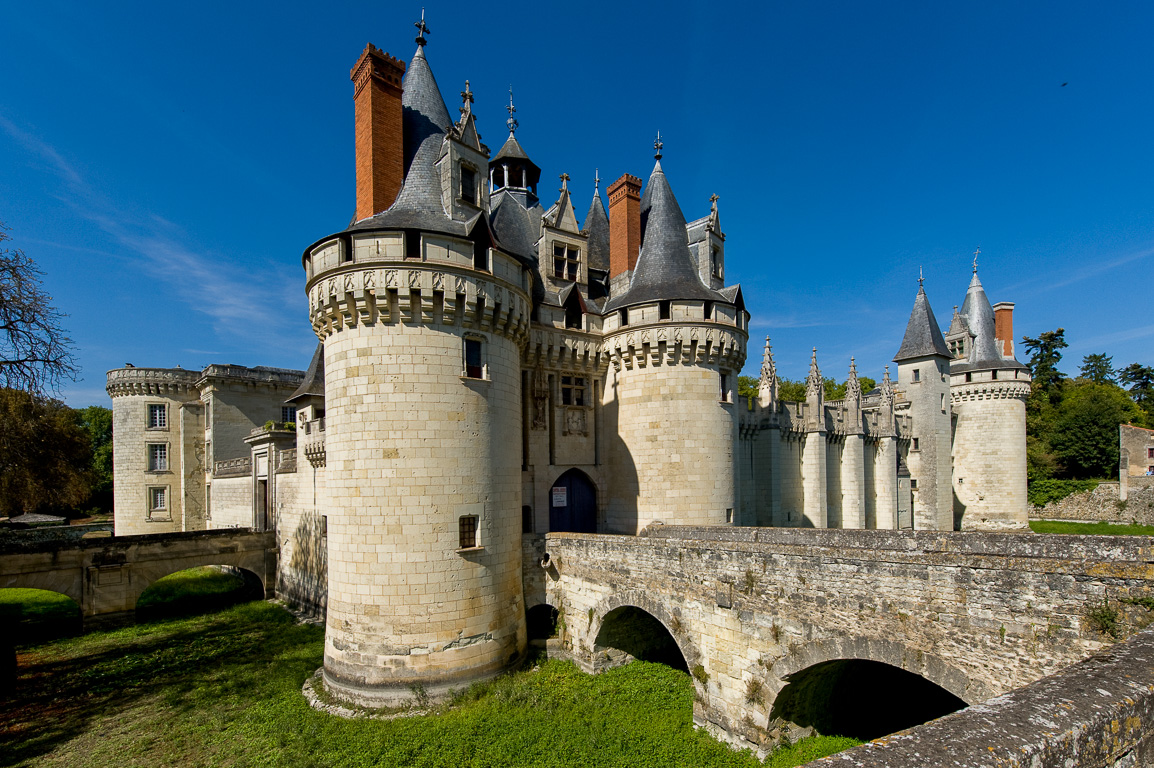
[167, 164]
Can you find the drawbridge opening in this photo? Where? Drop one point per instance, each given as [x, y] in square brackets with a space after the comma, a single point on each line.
[639, 634]
[541, 623]
[860, 698]
[197, 591]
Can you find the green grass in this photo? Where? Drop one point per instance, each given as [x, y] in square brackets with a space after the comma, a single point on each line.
[810, 749]
[1098, 529]
[224, 689]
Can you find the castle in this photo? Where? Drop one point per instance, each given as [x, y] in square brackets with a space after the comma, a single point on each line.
[490, 367]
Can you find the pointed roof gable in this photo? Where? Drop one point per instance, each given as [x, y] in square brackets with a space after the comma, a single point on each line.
[597, 229]
[314, 382]
[665, 267]
[923, 337]
[978, 315]
[514, 155]
[514, 225]
[561, 214]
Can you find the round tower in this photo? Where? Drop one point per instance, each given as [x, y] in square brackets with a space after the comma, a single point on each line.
[676, 347]
[988, 391]
[422, 319]
[158, 455]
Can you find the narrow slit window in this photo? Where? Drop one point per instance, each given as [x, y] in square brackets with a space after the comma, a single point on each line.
[915, 447]
[625, 317]
[663, 309]
[707, 310]
[468, 185]
[724, 382]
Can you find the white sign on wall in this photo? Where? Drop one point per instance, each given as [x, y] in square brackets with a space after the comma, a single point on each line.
[560, 497]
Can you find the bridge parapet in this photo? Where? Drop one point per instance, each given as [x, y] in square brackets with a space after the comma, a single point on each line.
[977, 614]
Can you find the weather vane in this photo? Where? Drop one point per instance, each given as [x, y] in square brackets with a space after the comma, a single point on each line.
[658, 144]
[976, 252]
[422, 30]
[921, 279]
[596, 179]
[466, 98]
[512, 121]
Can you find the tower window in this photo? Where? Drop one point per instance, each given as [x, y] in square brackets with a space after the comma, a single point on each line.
[474, 363]
[915, 447]
[565, 260]
[288, 414]
[917, 374]
[625, 317]
[724, 382]
[573, 390]
[969, 377]
[468, 185]
[663, 309]
[412, 245]
[158, 457]
[157, 416]
[914, 484]
[468, 532]
[994, 375]
[715, 262]
[708, 310]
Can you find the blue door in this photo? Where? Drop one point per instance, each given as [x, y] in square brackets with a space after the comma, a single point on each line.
[573, 503]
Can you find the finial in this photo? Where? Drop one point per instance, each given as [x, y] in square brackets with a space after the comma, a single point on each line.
[976, 252]
[921, 279]
[466, 98]
[564, 182]
[713, 200]
[422, 30]
[658, 144]
[596, 180]
[511, 122]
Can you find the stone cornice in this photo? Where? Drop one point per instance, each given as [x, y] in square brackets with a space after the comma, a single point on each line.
[418, 293]
[1009, 389]
[157, 382]
[557, 349]
[667, 343]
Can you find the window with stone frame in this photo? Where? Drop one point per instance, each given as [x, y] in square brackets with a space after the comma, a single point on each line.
[157, 416]
[468, 185]
[288, 414]
[467, 529]
[723, 380]
[573, 390]
[158, 457]
[474, 358]
[715, 262]
[158, 502]
[565, 261]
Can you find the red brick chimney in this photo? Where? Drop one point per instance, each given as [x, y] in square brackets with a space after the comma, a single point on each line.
[624, 224]
[1004, 326]
[379, 138]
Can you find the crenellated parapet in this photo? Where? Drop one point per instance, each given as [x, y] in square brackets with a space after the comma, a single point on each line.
[996, 389]
[156, 382]
[673, 343]
[556, 349]
[418, 293]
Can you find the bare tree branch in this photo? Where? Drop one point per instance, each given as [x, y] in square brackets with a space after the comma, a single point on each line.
[35, 354]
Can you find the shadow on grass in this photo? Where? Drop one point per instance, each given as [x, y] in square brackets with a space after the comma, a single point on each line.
[197, 591]
[61, 690]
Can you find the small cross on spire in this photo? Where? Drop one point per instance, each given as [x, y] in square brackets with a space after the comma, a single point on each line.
[596, 180]
[511, 122]
[921, 279]
[658, 144]
[466, 98]
[976, 252]
[422, 29]
[564, 182]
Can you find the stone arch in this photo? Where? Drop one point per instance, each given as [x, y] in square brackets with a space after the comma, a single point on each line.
[145, 577]
[66, 581]
[538, 618]
[655, 608]
[895, 654]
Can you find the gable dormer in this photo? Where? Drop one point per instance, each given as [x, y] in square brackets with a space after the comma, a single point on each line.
[707, 244]
[463, 164]
[564, 247]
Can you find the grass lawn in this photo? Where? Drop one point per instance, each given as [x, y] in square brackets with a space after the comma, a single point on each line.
[223, 689]
[1100, 529]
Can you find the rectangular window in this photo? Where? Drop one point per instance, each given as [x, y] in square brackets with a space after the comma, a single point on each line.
[1150, 453]
[573, 390]
[708, 310]
[914, 447]
[663, 310]
[917, 374]
[474, 367]
[158, 457]
[994, 375]
[625, 317]
[158, 499]
[565, 260]
[913, 485]
[288, 414]
[724, 380]
[969, 377]
[715, 262]
[157, 416]
[468, 185]
[468, 530]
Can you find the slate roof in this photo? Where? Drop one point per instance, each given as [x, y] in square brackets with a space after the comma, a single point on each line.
[597, 228]
[665, 267]
[424, 120]
[314, 383]
[923, 337]
[514, 225]
[979, 316]
[512, 150]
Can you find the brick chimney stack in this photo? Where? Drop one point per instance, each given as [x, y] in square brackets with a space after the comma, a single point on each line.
[1004, 326]
[624, 224]
[379, 135]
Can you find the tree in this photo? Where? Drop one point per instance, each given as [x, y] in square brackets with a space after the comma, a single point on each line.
[35, 355]
[1140, 379]
[1098, 369]
[1044, 359]
[45, 455]
[1085, 432]
[96, 420]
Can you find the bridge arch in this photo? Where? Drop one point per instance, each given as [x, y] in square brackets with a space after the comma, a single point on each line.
[928, 666]
[66, 581]
[611, 607]
[144, 577]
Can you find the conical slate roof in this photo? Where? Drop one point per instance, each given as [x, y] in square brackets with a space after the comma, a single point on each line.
[664, 267]
[424, 121]
[314, 383]
[597, 227]
[979, 317]
[923, 337]
[514, 225]
[514, 155]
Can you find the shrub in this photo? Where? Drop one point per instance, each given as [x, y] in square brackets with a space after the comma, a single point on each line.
[1104, 619]
[1042, 492]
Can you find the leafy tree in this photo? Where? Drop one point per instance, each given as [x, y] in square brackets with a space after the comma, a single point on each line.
[1045, 355]
[1140, 379]
[45, 455]
[1098, 369]
[35, 355]
[747, 386]
[1085, 433]
[97, 422]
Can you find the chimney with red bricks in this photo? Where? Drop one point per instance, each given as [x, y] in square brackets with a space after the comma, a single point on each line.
[624, 224]
[1004, 326]
[379, 135]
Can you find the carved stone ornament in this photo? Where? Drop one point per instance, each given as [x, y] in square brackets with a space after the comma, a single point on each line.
[438, 281]
[332, 286]
[390, 278]
[414, 278]
[348, 283]
[540, 398]
[369, 278]
[460, 286]
[575, 421]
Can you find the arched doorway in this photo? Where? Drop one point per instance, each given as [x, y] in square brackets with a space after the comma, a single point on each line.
[840, 697]
[641, 635]
[573, 503]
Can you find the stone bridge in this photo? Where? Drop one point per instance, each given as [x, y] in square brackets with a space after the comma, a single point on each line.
[107, 576]
[753, 611]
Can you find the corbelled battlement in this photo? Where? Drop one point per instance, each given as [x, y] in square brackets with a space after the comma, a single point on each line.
[671, 343]
[151, 381]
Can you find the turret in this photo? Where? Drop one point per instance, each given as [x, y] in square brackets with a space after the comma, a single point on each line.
[988, 391]
[422, 313]
[923, 377]
[675, 347]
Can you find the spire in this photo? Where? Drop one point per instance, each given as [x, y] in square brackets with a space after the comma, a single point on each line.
[887, 386]
[467, 100]
[512, 121]
[923, 336]
[852, 385]
[665, 268]
[564, 183]
[767, 386]
[813, 382]
[597, 228]
[979, 317]
[422, 30]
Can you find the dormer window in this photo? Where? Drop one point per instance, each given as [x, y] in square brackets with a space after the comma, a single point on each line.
[715, 262]
[468, 185]
[565, 260]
